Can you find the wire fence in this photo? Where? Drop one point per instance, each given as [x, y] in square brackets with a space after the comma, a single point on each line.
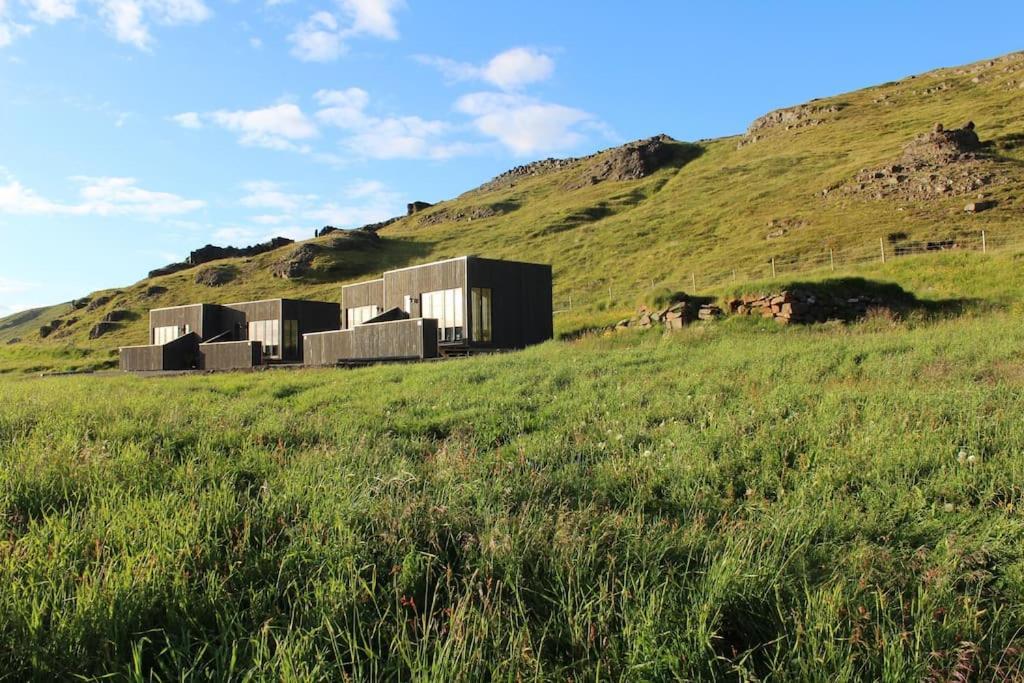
[608, 291]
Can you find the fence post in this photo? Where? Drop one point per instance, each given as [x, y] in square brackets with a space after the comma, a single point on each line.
[773, 266]
[831, 260]
[984, 243]
[881, 243]
[693, 281]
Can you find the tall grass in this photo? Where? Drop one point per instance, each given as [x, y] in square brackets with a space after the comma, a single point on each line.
[732, 502]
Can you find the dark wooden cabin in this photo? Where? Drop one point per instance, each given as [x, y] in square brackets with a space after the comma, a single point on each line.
[476, 303]
[229, 336]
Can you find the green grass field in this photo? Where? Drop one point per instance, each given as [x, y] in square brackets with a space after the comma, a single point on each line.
[738, 501]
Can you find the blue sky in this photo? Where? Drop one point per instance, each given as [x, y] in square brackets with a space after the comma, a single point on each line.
[132, 131]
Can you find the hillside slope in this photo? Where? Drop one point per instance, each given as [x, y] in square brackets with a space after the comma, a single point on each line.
[837, 173]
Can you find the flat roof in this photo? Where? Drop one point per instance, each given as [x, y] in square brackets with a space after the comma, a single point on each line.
[364, 282]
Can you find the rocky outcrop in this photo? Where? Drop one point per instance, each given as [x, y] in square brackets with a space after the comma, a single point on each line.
[118, 315]
[790, 118]
[942, 146]
[941, 163]
[780, 227]
[674, 316]
[155, 291]
[102, 328]
[468, 213]
[99, 302]
[170, 269]
[801, 306]
[353, 240]
[537, 168]
[416, 207]
[298, 263]
[215, 276]
[632, 161]
[212, 253]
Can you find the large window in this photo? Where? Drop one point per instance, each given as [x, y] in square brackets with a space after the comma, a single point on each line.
[360, 314]
[481, 301]
[446, 306]
[268, 333]
[164, 335]
[291, 338]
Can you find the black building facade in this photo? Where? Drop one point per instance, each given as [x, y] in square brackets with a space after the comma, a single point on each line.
[230, 336]
[474, 303]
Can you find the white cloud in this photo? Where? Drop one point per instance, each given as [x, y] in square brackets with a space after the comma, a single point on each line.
[274, 127]
[266, 194]
[52, 11]
[373, 17]
[394, 137]
[318, 39]
[323, 38]
[103, 196]
[509, 70]
[255, 43]
[360, 203]
[128, 20]
[188, 119]
[523, 124]
[9, 30]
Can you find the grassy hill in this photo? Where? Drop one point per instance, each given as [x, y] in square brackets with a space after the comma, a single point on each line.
[737, 500]
[708, 209]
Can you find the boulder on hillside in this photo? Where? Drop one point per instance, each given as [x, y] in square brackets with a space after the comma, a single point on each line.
[154, 291]
[99, 302]
[118, 315]
[297, 263]
[102, 328]
[215, 276]
[934, 165]
[212, 253]
[942, 146]
[631, 161]
[169, 269]
[416, 207]
[353, 240]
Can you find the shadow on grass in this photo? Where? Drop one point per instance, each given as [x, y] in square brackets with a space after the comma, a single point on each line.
[850, 298]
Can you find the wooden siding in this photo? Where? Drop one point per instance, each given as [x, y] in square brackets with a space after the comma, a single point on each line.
[397, 340]
[241, 355]
[363, 294]
[180, 354]
[313, 316]
[200, 318]
[522, 309]
[258, 310]
[418, 280]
